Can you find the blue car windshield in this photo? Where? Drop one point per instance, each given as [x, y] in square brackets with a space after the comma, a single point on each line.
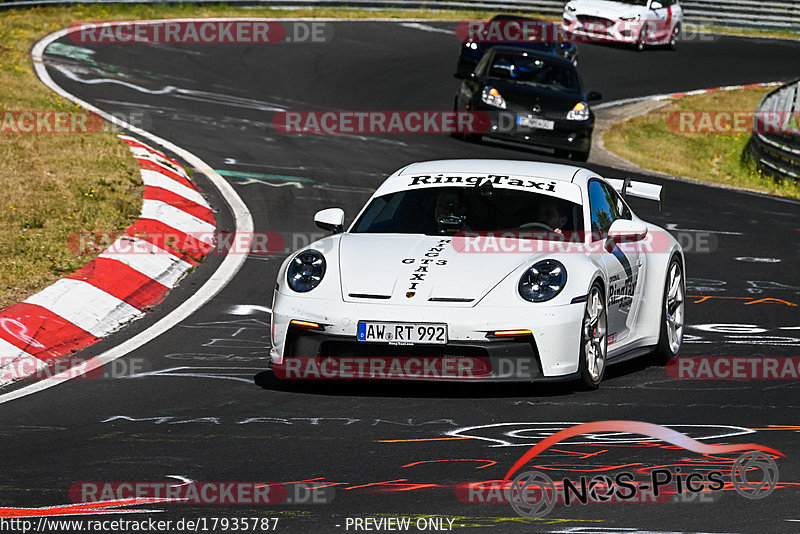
[521, 68]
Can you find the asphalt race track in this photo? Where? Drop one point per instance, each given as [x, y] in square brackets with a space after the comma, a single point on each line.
[201, 406]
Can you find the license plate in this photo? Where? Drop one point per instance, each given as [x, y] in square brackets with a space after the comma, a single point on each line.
[534, 122]
[402, 333]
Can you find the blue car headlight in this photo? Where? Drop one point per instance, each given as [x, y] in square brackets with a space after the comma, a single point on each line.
[305, 271]
[543, 281]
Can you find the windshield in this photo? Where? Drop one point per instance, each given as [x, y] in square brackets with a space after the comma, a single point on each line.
[536, 71]
[447, 210]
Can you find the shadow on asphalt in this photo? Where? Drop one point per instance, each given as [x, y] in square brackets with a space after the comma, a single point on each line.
[442, 389]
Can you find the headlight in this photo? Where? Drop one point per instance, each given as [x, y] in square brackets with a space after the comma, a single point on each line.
[305, 271]
[472, 45]
[543, 281]
[491, 96]
[630, 18]
[570, 7]
[579, 113]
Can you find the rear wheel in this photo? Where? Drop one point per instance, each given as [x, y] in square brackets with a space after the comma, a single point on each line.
[594, 341]
[672, 314]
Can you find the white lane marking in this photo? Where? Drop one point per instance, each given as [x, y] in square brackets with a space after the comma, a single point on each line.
[750, 259]
[156, 179]
[85, 306]
[178, 219]
[243, 221]
[674, 227]
[198, 372]
[668, 96]
[150, 260]
[426, 28]
[200, 96]
[247, 309]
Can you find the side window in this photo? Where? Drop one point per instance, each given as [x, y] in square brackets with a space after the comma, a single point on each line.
[622, 208]
[481, 66]
[603, 207]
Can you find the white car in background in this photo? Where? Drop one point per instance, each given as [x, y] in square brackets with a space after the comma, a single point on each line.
[513, 270]
[637, 22]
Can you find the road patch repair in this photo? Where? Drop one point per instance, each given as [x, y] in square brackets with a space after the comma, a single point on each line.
[130, 276]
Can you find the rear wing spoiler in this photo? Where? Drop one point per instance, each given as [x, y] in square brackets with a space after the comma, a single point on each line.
[637, 189]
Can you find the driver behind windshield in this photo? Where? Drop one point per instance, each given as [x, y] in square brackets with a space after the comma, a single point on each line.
[451, 211]
[550, 213]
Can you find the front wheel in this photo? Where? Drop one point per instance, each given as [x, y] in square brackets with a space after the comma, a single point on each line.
[594, 341]
[673, 40]
[672, 314]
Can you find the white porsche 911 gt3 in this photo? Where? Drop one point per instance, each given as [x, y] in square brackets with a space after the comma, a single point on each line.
[481, 269]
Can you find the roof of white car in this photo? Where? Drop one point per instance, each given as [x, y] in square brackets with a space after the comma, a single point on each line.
[534, 169]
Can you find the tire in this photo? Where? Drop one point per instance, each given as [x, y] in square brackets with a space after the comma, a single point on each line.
[673, 40]
[673, 305]
[594, 339]
[639, 46]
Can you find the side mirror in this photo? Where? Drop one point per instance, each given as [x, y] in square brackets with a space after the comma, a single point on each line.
[625, 231]
[594, 96]
[330, 220]
[656, 5]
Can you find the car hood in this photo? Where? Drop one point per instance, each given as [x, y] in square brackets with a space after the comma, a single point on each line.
[525, 96]
[606, 9]
[413, 269]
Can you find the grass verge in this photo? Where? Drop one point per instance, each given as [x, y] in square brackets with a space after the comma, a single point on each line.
[722, 158]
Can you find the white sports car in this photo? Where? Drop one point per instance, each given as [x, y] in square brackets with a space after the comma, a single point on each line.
[481, 269]
[638, 22]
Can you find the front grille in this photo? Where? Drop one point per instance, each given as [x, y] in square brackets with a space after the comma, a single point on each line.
[594, 19]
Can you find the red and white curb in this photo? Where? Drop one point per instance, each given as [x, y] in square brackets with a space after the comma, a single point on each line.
[116, 287]
[672, 96]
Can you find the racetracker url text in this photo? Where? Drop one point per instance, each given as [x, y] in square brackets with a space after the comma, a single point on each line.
[172, 526]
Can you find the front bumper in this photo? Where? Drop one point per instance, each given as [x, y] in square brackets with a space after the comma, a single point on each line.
[567, 135]
[602, 30]
[549, 353]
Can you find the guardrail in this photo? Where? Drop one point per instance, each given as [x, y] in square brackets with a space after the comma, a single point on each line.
[778, 154]
[774, 14]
